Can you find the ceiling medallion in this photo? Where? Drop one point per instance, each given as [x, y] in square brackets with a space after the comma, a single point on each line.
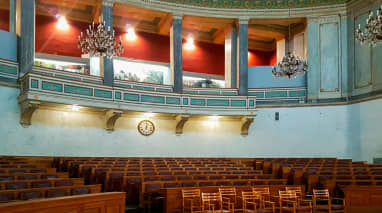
[97, 41]
[372, 34]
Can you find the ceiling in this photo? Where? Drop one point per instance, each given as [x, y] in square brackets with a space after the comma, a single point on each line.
[262, 33]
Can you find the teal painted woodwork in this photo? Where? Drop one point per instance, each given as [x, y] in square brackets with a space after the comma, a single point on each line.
[152, 99]
[257, 4]
[238, 103]
[377, 67]
[34, 83]
[163, 90]
[251, 103]
[130, 97]
[198, 102]
[362, 62]
[123, 85]
[229, 93]
[67, 77]
[118, 95]
[185, 101]
[92, 81]
[314, 58]
[78, 90]
[144, 88]
[51, 86]
[103, 94]
[190, 92]
[209, 93]
[258, 94]
[170, 100]
[276, 94]
[211, 102]
[297, 93]
[8, 69]
[329, 57]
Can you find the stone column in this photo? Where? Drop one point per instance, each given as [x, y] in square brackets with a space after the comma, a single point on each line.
[25, 29]
[176, 59]
[12, 16]
[107, 67]
[231, 58]
[243, 55]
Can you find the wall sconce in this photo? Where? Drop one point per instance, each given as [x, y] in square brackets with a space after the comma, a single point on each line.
[190, 43]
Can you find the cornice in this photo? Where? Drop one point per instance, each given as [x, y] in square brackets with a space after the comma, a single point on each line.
[108, 3]
[171, 7]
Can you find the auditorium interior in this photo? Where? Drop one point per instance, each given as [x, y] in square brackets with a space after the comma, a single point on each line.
[190, 106]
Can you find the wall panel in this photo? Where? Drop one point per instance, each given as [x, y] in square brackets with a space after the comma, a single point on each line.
[329, 57]
[362, 54]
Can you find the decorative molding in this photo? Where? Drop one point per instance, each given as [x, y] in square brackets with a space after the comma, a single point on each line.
[111, 116]
[243, 19]
[250, 8]
[250, 4]
[246, 123]
[74, 91]
[108, 3]
[177, 16]
[180, 121]
[27, 109]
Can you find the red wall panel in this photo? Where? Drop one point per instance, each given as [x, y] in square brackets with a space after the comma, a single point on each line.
[51, 40]
[147, 46]
[259, 58]
[4, 20]
[205, 58]
[273, 59]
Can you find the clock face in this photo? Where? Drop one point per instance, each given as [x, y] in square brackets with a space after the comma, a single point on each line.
[146, 127]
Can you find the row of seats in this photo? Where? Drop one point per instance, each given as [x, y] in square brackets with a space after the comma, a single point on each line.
[24, 178]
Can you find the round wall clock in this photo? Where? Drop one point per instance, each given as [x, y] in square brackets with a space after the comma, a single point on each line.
[146, 127]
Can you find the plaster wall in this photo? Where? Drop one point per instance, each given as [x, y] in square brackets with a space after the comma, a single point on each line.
[301, 132]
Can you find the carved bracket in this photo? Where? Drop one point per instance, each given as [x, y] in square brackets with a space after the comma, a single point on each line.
[180, 121]
[246, 123]
[27, 109]
[111, 117]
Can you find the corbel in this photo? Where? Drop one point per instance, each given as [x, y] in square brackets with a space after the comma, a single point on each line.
[180, 121]
[111, 116]
[246, 123]
[27, 109]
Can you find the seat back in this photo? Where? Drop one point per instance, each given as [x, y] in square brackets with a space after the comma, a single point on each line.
[211, 201]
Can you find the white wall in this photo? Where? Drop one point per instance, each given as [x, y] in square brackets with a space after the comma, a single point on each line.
[367, 119]
[304, 131]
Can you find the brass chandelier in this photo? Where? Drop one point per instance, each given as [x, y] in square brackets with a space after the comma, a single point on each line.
[97, 41]
[372, 34]
[291, 65]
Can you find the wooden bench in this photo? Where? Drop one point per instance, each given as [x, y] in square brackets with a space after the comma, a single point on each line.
[5, 185]
[26, 194]
[100, 202]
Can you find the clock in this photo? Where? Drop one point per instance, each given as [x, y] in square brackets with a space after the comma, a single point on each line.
[146, 127]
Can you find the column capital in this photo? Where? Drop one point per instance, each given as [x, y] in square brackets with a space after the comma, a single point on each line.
[108, 3]
[177, 16]
[243, 19]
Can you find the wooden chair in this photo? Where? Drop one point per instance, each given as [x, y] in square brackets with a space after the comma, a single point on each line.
[297, 189]
[212, 202]
[264, 192]
[229, 195]
[290, 202]
[191, 200]
[323, 202]
[254, 203]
